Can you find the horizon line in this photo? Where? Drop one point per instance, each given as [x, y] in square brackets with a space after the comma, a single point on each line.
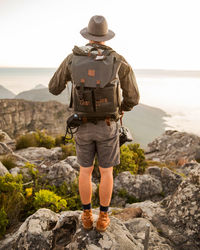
[138, 69]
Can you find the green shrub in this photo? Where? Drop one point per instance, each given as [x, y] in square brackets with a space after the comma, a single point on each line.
[35, 139]
[68, 150]
[3, 221]
[131, 159]
[11, 196]
[48, 199]
[25, 141]
[70, 192]
[8, 162]
[44, 140]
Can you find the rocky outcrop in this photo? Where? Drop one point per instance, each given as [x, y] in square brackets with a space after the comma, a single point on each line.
[174, 146]
[58, 173]
[177, 217]
[3, 170]
[48, 230]
[154, 185]
[169, 180]
[20, 116]
[40, 154]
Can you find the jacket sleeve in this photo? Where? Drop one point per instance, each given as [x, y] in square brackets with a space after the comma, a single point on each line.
[60, 78]
[129, 86]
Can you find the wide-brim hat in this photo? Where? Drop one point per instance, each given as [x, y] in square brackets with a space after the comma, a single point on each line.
[97, 30]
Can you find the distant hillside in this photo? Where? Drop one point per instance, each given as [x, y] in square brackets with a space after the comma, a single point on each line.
[20, 116]
[5, 93]
[43, 95]
[145, 122]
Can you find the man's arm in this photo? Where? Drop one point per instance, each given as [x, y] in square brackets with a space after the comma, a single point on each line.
[129, 87]
[60, 78]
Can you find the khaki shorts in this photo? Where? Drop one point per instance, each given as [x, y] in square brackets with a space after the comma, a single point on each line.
[98, 139]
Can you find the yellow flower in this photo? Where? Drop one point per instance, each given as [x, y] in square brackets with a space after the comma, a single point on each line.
[29, 192]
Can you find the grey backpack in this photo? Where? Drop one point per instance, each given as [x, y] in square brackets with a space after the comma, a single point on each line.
[95, 83]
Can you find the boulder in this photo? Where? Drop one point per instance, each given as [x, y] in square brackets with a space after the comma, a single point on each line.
[72, 160]
[187, 168]
[183, 207]
[139, 186]
[40, 154]
[5, 138]
[169, 179]
[3, 170]
[4, 149]
[58, 173]
[15, 171]
[174, 146]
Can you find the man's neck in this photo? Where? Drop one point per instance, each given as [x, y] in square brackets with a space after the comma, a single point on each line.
[95, 42]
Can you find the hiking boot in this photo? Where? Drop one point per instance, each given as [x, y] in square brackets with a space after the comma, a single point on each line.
[102, 222]
[87, 219]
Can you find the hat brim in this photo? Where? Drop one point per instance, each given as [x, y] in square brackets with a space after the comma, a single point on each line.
[84, 32]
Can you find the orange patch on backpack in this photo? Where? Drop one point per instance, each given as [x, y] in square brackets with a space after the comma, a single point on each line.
[91, 72]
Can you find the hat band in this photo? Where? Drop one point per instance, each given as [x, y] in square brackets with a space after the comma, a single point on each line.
[96, 34]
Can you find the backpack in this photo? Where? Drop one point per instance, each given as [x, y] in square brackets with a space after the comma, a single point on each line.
[95, 83]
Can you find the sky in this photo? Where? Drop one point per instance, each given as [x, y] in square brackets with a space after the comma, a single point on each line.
[150, 34]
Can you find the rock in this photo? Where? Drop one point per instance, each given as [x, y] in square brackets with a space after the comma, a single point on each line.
[187, 168]
[59, 173]
[15, 171]
[137, 229]
[4, 149]
[19, 117]
[139, 186]
[183, 212]
[170, 181]
[72, 160]
[3, 170]
[4, 137]
[173, 146]
[127, 213]
[48, 230]
[154, 170]
[64, 231]
[40, 154]
[35, 232]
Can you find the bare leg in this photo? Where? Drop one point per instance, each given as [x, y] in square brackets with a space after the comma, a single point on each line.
[106, 186]
[85, 184]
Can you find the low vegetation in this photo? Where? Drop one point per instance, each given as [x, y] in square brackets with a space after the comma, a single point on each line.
[8, 161]
[132, 159]
[35, 139]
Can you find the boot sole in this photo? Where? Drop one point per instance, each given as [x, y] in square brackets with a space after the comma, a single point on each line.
[102, 230]
[88, 228]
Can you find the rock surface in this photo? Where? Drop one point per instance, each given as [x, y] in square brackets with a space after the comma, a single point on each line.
[174, 146]
[59, 172]
[139, 186]
[3, 170]
[177, 217]
[39, 154]
[20, 116]
[48, 230]
[170, 180]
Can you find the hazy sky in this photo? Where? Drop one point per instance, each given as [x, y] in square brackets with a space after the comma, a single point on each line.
[149, 33]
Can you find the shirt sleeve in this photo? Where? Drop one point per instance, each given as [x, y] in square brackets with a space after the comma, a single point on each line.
[130, 92]
[60, 78]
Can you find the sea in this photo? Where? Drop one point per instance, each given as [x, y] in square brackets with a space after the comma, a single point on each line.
[175, 92]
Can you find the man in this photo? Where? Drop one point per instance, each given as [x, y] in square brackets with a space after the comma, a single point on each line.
[99, 133]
